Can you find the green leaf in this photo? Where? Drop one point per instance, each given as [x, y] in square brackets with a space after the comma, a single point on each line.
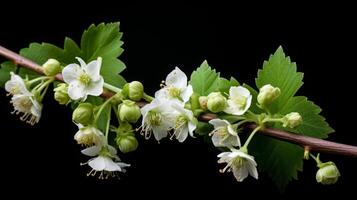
[203, 128]
[5, 69]
[280, 72]
[282, 160]
[205, 80]
[104, 41]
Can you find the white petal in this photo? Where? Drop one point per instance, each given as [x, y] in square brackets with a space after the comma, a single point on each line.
[191, 128]
[216, 140]
[110, 165]
[248, 103]
[91, 151]
[159, 132]
[181, 133]
[240, 173]
[186, 93]
[252, 169]
[162, 94]
[176, 78]
[235, 92]
[224, 154]
[93, 69]
[36, 109]
[95, 88]
[81, 62]
[98, 163]
[231, 130]
[71, 73]
[233, 109]
[219, 123]
[76, 90]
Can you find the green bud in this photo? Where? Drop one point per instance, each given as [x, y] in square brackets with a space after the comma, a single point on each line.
[61, 94]
[216, 102]
[117, 99]
[133, 90]
[203, 102]
[267, 94]
[51, 67]
[83, 114]
[327, 174]
[127, 143]
[129, 111]
[292, 120]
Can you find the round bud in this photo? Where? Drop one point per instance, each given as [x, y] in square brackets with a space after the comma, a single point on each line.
[133, 90]
[203, 102]
[51, 67]
[83, 114]
[129, 111]
[61, 94]
[267, 94]
[327, 174]
[292, 120]
[216, 102]
[127, 143]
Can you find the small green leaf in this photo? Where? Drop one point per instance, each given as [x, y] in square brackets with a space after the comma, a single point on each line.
[205, 80]
[203, 128]
[5, 69]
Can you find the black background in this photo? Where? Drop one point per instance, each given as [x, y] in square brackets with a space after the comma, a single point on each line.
[235, 39]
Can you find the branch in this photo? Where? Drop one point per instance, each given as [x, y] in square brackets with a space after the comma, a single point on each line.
[313, 144]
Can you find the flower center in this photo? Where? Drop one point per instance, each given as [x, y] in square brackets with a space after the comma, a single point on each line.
[180, 121]
[223, 131]
[84, 78]
[174, 92]
[241, 101]
[155, 118]
[238, 162]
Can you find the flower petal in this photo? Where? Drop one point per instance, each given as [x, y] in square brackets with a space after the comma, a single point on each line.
[98, 163]
[238, 91]
[91, 151]
[191, 128]
[252, 169]
[219, 123]
[71, 73]
[110, 165]
[76, 90]
[187, 93]
[93, 69]
[240, 173]
[95, 88]
[159, 132]
[112, 150]
[176, 78]
[181, 133]
[81, 62]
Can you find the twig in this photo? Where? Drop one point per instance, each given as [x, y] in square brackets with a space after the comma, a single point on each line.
[306, 142]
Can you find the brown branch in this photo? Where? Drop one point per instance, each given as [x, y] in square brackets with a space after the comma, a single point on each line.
[306, 142]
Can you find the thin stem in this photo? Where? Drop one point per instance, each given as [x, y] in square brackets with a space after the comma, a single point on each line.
[112, 88]
[272, 120]
[148, 98]
[37, 79]
[101, 110]
[251, 137]
[108, 125]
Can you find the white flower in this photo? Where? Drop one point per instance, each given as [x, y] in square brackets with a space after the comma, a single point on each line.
[83, 80]
[15, 85]
[23, 100]
[104, 163]
[158, 118]
[240, 163]
[185, 122]
[224, 134]
[89, 136]
[175, 87]
[239, 100]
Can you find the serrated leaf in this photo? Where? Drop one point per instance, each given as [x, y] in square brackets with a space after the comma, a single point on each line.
[313, 124]
[205, 80]
[5, 69]
[282, 160]
[104, 41]
[280, 72]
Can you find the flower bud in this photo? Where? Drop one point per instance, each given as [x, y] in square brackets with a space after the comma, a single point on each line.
[117, 99]
[89, 136]
[327, 174]
[216, 102]
[51, 67]
[267, 94]
[83, 114]
[61, 94]
[292, 120]
[133, 90]
[129, 111]
[203, 102]
[127, 143]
